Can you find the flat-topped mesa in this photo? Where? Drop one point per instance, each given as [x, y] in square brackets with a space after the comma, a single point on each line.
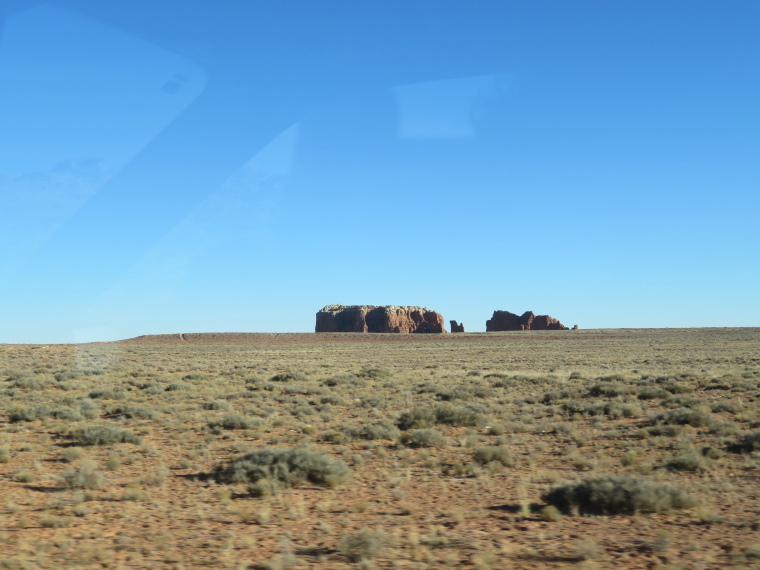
[378, 319]
[506, 321]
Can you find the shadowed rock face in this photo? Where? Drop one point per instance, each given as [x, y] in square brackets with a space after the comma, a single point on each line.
[456, 328]
[506, 321]
[385, 319]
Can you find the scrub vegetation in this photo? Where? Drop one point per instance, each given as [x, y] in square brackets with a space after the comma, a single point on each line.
[613, 448]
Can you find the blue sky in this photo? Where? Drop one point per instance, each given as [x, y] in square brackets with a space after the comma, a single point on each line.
[192, 169]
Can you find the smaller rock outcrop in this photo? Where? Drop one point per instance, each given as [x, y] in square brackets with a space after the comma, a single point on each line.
[378, 319]
[456, 328]
[506, 321]
[575, 327]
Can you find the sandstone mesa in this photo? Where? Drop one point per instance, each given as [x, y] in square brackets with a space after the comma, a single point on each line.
[378, 319]
[506, 321]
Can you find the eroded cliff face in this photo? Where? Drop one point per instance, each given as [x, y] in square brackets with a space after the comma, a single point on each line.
[456, 327]
[378, 319]
[506, 321]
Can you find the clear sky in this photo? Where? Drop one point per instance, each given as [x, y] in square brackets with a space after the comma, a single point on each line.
[173, 166]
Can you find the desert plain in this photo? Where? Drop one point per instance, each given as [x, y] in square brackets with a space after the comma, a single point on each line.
[616, 448]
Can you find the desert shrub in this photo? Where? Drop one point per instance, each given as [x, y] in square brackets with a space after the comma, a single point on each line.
[157, 477]
[652, 393]
[284, 468]
[416, 418]
[610, 409]
[747, 444]
[42, 412]
[676, 388]
[615, 410]
[687, 416]
[72, 454]
[564, 394]
[30, 382]
[289, 376]
[660, 430]
[460, 416]
[178, 386]
[426, 437]
[489, 453]
[252, 380]
[153, 388]
[363, 545]
[613, 494]
[682, 402]
[87, 407]
[259, 386]
[236, 421]
[689, 460]
[216, 405]
[332, 400]
[611, 389]
[5, 454]
[104, 435]
[107, 393]
[86, 476]
[730, 406]
[499, 375]
[195, 376]
[375, 373]
[341, 379]
[66, 375]
[379, 430]
[332, 436]
[131, 411]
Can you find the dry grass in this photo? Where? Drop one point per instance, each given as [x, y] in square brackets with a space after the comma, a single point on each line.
[519, 450]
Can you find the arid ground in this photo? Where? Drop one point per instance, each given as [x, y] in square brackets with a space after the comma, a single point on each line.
[591, 449]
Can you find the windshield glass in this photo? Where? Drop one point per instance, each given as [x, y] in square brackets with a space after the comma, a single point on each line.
[191, 166]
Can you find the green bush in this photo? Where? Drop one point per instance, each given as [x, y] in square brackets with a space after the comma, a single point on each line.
[613, 494]
[687, 416]
[363, 545]
[375, 373]
[107, 393]
[689, 460]
[104, 435]
[86, 476]
[237, 421]
[652, 393]
[132, 412]
[748, 444]
[611, 389]
[288, 377]
[42, 412]
[426, 437]
[489, 453]
[380, 430]
[285, 468]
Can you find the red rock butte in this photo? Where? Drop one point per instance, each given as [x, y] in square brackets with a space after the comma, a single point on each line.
[506, 321]
[378, 319]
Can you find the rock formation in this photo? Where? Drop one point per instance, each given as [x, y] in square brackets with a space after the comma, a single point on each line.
[455, 328]
[385, 319]
[506, 321]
